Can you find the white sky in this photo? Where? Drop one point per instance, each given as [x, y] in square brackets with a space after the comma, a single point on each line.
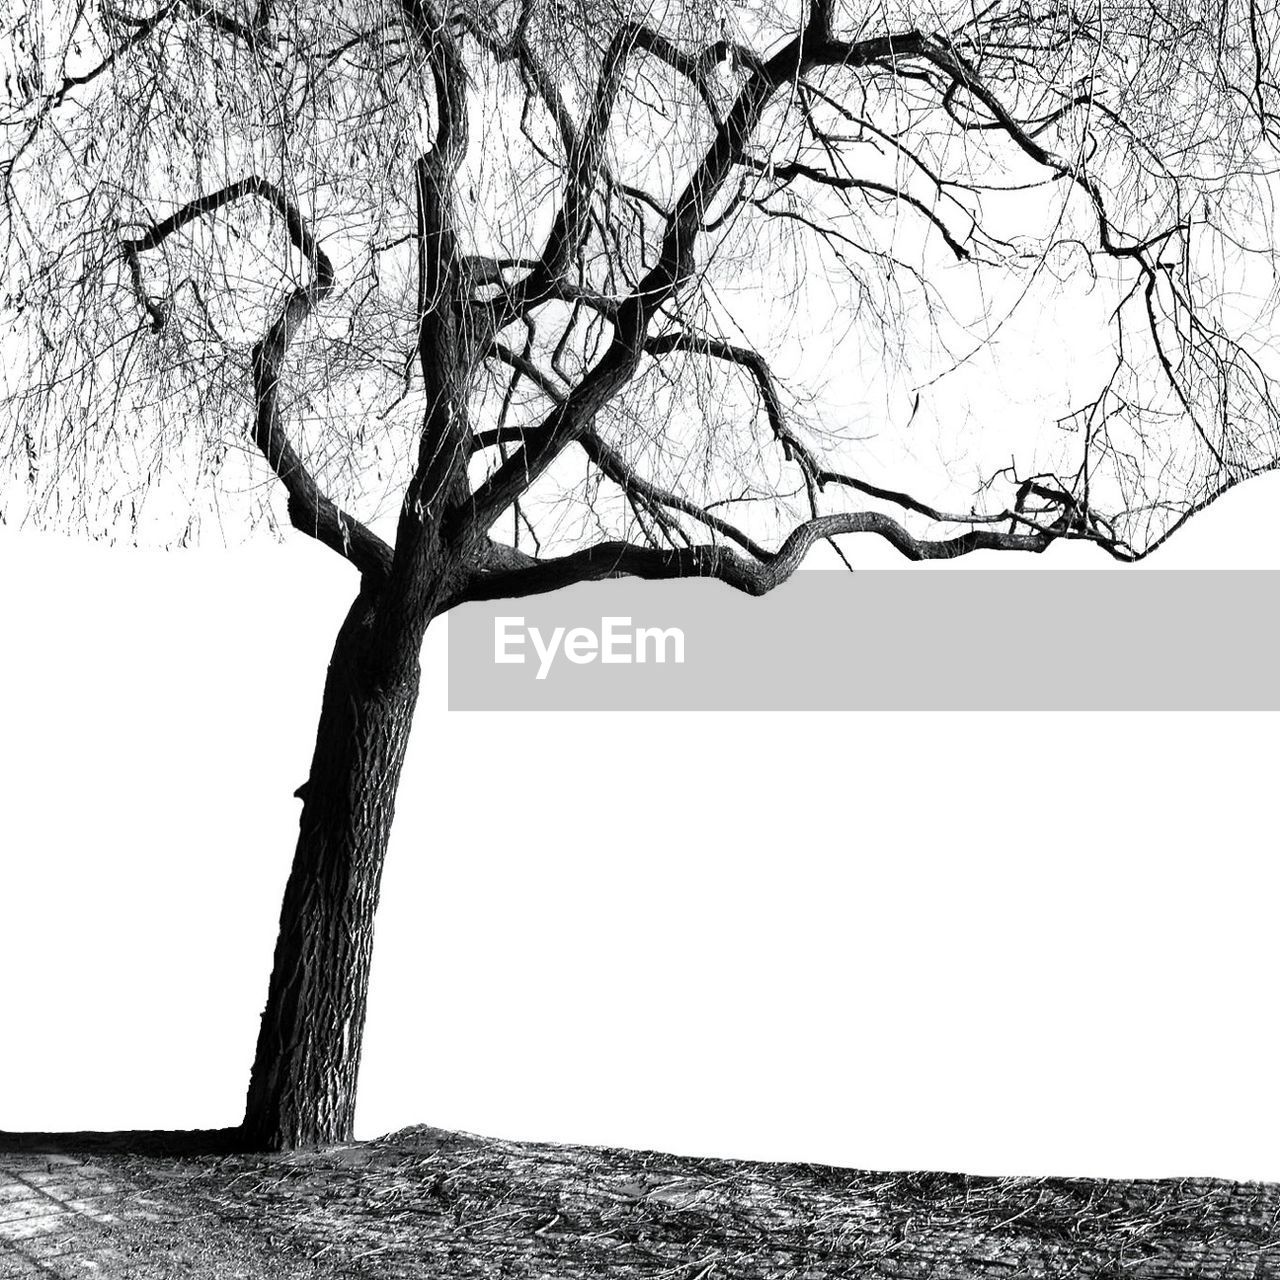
[1038, 960]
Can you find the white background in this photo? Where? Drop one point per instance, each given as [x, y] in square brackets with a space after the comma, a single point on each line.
[998, 944]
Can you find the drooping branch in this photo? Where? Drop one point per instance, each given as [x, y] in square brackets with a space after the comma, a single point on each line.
[299, 233]
[752, 361]
[607, 267]
[251, 33]
[310, 510]
[584, 148]
[141, 29]
[790, 170]
[516, 47]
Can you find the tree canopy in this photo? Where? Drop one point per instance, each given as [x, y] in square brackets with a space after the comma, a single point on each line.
[592, 286]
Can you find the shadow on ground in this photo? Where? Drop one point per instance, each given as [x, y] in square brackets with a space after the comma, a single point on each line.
[149, 1142]
[425, 1203]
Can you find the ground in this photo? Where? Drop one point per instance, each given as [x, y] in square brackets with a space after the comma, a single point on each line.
[426, 1203]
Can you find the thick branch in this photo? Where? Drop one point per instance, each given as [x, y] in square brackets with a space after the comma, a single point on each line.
[420, 563]
[442, 345]
[676, 260]
[755, 577]
[298, 230]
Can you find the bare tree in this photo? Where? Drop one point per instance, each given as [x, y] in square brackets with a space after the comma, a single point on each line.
[491, 298]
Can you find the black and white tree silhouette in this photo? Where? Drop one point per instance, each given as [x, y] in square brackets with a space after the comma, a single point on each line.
[491, 298]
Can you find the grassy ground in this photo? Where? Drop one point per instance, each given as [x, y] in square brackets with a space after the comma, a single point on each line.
[425, 1203]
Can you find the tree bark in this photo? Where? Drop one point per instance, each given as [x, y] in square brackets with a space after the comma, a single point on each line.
[302, 1089]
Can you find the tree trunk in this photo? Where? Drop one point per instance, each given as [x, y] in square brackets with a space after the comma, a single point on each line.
[303, 1085]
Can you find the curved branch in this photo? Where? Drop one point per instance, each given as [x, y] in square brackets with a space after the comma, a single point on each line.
[755, 577]
[310, 510]
[299, 233]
